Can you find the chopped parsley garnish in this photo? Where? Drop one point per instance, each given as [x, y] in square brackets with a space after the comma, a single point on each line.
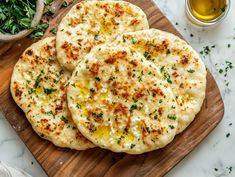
[49, 91]
[227, 135]
[148, 130]
[147, 55]
[96, 38]
[171, 126]
[191, 71]
[216, 169]
[133, 40]
[162, 69]
[160, 101]
[53, 31]
[78, 106]
[64, 119]
[168, 51]
[230, 169]
[167, 78]
[123, 39]
[97, 78]
[229, 45]
[176, 23]
[16, 15]
[92, 90]
[38, 80]
[191, 35]
[155, 117]
[171, 117]
[132, 146]
[133, 107]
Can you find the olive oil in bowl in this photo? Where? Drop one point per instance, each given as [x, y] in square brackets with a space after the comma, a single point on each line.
[207, 12]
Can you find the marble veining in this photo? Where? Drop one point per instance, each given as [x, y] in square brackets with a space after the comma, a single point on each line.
[214, 157]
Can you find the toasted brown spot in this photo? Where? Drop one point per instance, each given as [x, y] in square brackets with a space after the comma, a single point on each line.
[29, 52]
[18, 92]
[157, 91]
[95, 68]
[175, 74]
[70, 50]
[184, 60]
[160, 110]
[120, 108]
[134, 22]
[119, 55]
[139, 93]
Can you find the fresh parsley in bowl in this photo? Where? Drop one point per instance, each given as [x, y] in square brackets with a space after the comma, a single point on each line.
[19, 17]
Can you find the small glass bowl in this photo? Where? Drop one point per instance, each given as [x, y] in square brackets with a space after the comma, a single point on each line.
[203, 23]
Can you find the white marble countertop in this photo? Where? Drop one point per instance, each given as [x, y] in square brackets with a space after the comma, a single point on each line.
[215, 156]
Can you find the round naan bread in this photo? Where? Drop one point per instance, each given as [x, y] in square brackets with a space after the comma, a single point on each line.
[38, 86]
[180, 65]
[90, 23]
[121, 102]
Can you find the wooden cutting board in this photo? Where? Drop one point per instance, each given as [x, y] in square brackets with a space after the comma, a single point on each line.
[99, 162]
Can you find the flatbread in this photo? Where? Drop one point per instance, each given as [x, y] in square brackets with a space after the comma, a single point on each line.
[121, 102]
[178, 62]
[38, 86]
[90, 23]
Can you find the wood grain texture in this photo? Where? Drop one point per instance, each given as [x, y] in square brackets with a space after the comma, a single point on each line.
[99, 162]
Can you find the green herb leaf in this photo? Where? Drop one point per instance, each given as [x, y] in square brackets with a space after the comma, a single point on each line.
[49, 91]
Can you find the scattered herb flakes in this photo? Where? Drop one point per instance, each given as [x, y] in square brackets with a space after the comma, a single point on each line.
[230, 124]
[206, 50]
[16, 15]
[96, 38]
[132, 146]
[147, 55]
[191, 71]
[49, 91]
[167, 78]
[92, 90]
[38, 80]
[64, 119]
[78, 106]
[216, 169]
[227, 135]
[176, 23]
[171, 117]
[229, 45]
[171, 126]
[32, 163]
[155, 117]
[97, 78]
[224, 69]
[230, 169]
[53, 31]
[39, 30]
[191, 35]
[133, 107]
[133, 40]
[168, 51]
